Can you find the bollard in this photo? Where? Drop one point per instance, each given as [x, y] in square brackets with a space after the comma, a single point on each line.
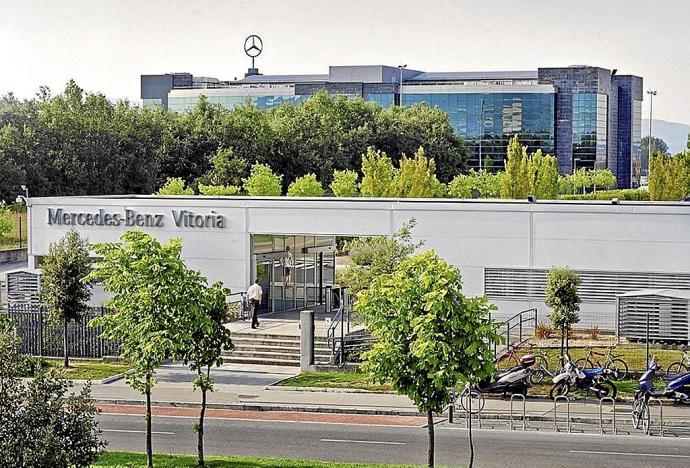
[306, 360]
[524, 407]
[555, 412]
[601, 416]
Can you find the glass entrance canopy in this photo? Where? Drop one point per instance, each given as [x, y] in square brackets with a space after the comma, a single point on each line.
[294, 270]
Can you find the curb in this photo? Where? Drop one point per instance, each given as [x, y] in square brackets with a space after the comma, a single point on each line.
[287, 388]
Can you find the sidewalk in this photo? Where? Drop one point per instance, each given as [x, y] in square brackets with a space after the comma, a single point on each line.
[249, 388]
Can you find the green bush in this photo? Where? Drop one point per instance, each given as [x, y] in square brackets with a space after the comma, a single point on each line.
[263, 182]
[624, 194]
[218, 190]
[175, 186]
[305, 186]
[344, 183]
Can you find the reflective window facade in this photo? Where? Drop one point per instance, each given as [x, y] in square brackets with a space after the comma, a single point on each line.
[152, 103]
[488, 120]
[185, 104]
[590, 117]
[384, 100]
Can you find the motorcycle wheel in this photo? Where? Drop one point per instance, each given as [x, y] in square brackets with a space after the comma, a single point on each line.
[676, 368]
[559, 389]
[477, 402]
[606, 388]
[619, 369]
[537, 376]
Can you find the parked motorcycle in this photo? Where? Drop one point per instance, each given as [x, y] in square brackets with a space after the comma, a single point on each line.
[677, 387]
[511, 381]
[594, 380]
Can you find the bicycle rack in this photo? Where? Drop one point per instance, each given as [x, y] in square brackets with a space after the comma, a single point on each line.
[661, 416]
[468, 419]
[524, 406]
[555, 412]
[601, 414]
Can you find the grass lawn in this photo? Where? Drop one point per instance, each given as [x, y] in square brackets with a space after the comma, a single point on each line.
[87, 369]
[11, 240]
[129, 459]
[348, 379]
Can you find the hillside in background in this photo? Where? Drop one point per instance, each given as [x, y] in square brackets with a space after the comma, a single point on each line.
[673, 133]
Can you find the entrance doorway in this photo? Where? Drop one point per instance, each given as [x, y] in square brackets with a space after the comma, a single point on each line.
[293, 270]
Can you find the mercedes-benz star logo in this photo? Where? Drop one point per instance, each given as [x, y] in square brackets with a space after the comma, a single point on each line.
[253, 46]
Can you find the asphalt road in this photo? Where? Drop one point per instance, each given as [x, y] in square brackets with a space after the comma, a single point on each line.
[362, 443]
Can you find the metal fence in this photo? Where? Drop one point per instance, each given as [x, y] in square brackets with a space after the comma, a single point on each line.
[41, 336]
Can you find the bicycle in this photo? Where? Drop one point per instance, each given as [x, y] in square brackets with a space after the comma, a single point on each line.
[508, 356]
[613, 362]
[682, 366]
[541, 368]
[468, 396]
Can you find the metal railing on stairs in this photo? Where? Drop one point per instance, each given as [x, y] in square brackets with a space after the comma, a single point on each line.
[516, 327]
[339, 327]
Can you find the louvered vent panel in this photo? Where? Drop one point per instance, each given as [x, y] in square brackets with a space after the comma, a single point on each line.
[668, 318]
[22, 288]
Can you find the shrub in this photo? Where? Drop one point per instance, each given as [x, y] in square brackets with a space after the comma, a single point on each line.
[263, 182]
[175, 186]
[344, 184]
[305, 186]
[593, 333]
[542, 331]
[218, 190]
[5, 219]
[607, 195]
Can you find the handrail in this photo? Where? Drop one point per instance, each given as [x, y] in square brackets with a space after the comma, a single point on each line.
[339, 320]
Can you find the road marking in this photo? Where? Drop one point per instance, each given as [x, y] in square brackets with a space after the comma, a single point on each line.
[632, 454]
[375, 442]
[138, 432]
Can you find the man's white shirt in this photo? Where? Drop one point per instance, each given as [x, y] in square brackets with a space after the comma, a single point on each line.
[254, 292]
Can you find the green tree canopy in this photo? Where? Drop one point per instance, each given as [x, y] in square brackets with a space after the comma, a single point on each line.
[218, 190]
[581, 180]
[429, 335]
[416, 178]
[476, 184]
[602, 178]
[344, 183]
[658, 146]
[227, 169]
[379, 175]
[543, 171]
[6, 223]
[263, 182]
[64, 289]
[175, 186]
[305, 186]
[669, 177]
[563, 299]
[516, 181]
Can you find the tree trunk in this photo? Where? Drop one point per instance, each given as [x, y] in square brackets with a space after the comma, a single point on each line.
[149, 448]
[202, 412]
[64, 342]
[430, 428]
[562, 350]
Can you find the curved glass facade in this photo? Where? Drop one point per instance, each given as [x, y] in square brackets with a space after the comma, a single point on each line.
[488, 120]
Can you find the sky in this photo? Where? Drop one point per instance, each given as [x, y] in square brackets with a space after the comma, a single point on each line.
[105, 45]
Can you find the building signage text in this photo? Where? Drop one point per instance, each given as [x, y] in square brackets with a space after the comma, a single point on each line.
[132, 218]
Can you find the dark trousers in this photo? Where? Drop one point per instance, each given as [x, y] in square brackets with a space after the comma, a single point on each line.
[254, 308]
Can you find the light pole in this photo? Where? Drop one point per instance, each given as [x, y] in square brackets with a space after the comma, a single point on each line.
[401, 68]
[23, 199]
[651, 93]
[575, 160]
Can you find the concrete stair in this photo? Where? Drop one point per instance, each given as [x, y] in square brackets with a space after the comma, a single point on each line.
[274, 350]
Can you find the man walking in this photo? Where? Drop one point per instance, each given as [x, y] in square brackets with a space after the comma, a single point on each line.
[255, 294]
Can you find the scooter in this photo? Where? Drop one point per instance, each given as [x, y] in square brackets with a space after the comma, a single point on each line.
[511, 381]
[591, 380]
[677, 388]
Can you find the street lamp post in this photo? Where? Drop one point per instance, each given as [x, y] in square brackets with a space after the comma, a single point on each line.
[651, 93]
[401, 68]
[23, 199]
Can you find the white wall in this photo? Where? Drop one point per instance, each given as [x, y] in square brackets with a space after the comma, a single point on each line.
[472, 234]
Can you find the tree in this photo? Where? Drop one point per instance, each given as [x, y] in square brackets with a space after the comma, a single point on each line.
[344, 183]
[476, 184]
[263, 182]
[658, 146]
[565, 184]
[602, 178]
[581, 180]
[429, 335]
[204, 343]
[6, 223]
[562, 298]
[378, 175]
[218, 190]
[417, 178]
[376, 256]
[42, 422]
[669, 177]
[516, 181]
[305, 186]
[151, 292]
[543, 176]
[226, 169]
[64, 290]
[175, 186]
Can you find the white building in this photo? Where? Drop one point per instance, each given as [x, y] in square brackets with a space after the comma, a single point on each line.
[503, 248]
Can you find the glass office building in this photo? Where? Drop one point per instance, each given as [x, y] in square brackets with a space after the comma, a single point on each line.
[588, 117]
